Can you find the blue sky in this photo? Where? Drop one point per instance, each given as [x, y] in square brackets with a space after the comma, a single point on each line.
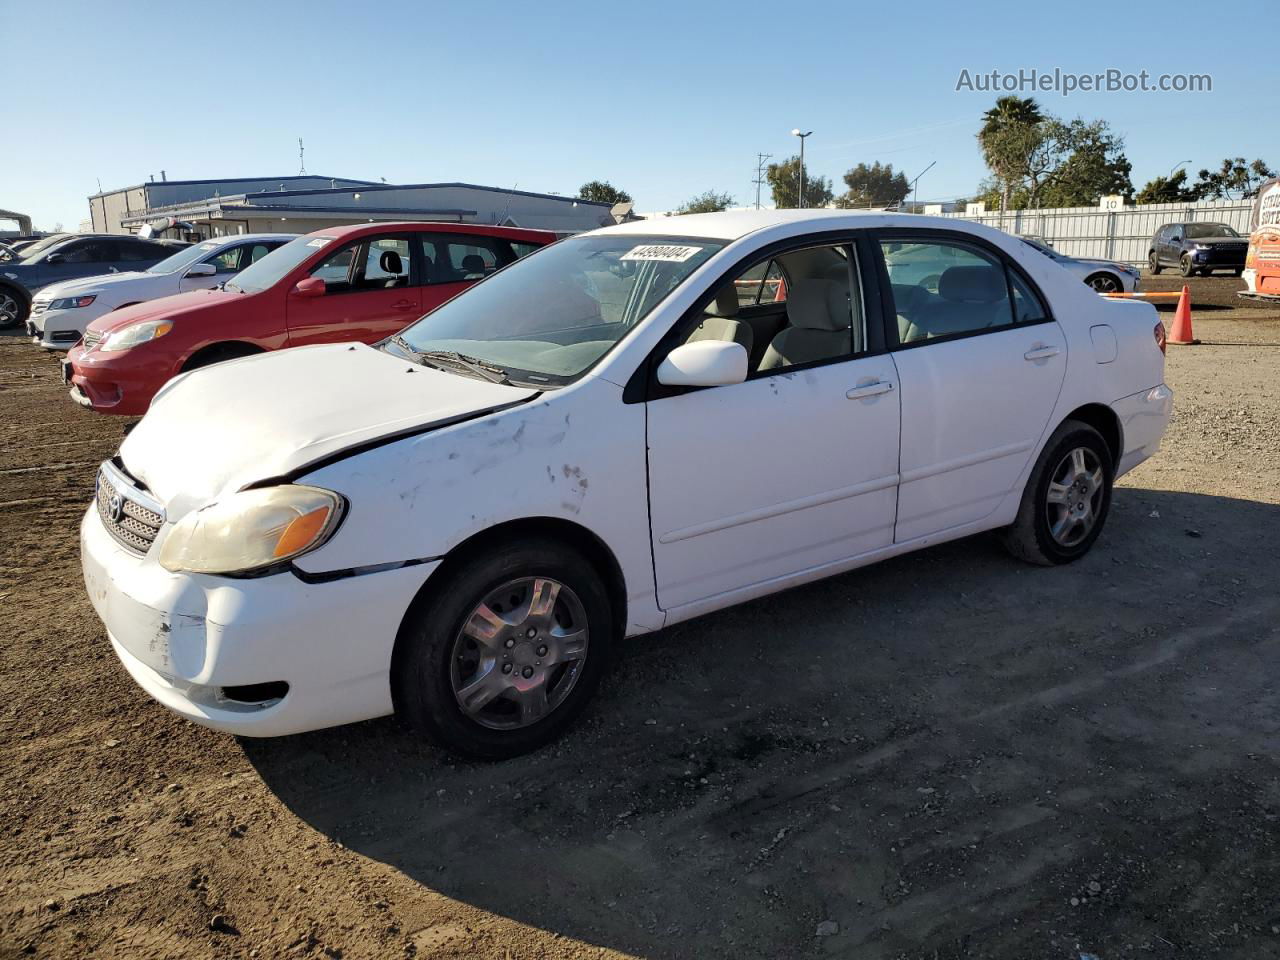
[664, 99]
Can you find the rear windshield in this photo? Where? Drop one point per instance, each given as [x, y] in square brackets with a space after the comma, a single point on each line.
[272, 268]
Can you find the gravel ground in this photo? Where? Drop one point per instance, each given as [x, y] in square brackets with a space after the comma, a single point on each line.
[946, 755]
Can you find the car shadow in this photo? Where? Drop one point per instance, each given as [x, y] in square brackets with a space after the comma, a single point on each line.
[886, 762]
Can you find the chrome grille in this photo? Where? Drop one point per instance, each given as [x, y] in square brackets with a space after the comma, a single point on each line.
[91, 339]
[129, 515]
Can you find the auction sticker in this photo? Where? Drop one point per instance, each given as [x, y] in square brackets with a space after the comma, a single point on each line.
[662, 253]
[320, 241]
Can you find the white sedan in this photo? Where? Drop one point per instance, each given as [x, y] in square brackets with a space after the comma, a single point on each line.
[1105, 276]
[629, 428]
[61, 311]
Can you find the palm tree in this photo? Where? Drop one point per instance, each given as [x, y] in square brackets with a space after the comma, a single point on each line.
[1001, 125]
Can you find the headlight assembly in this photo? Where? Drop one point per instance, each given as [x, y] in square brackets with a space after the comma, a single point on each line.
[135, 334]
[71, 303]
[252, 530]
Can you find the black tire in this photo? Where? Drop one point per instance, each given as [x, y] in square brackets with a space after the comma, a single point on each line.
[1030, 537]
[1239, 273]
[13, 308]
[1184, 266]
[430, 649]
[218, 353]
[1153, 263]
[1105, 282]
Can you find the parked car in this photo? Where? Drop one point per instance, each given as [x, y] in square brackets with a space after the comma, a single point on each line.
[347, 283]
[1105, 276]
[61, 311]
[1197, 248]
[70, 257]
[460, 523]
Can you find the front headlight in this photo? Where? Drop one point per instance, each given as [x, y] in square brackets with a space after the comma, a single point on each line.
[71, 303]
[252, 529]
[135, 334]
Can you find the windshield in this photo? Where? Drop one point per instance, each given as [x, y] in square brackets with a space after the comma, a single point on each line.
[550, 316]
[185, 257]
[40, 247]
[1199, 231]
[271, 269]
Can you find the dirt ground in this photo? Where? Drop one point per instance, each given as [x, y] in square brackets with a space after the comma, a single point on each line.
[946, 755]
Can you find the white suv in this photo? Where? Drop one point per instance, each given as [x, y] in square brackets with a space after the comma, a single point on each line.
[61, 311]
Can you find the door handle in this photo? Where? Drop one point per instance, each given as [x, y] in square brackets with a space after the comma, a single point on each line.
[1040, 353]
[402, 304]
[869, 390]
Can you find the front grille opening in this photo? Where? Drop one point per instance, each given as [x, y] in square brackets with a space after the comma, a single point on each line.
[256, 693]
[65, 336]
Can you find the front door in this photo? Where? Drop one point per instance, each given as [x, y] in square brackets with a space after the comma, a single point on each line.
[980, 372]
[370, 293]
[791, 470]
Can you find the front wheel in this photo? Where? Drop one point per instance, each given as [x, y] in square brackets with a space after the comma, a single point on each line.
[1185, 266]
[505, 651]
[1105, 283]
[1065, 503]
[13, 308]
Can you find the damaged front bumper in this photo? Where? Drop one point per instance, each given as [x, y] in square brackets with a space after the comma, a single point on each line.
[256, 657]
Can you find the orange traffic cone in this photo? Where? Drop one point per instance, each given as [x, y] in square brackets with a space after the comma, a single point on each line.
[1181, 332]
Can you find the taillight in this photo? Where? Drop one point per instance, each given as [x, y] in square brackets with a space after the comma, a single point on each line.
[1160, 337]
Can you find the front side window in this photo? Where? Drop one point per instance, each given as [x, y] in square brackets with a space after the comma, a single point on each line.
[271, 269]
[942, 289]
[182, 259]
[228, 261]
[547, 319]
[383, 264]
[90, 251]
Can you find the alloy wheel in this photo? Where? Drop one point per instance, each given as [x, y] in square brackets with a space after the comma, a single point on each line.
[9, 309]
[1074, 497]
[519, 653]
[1105, 283]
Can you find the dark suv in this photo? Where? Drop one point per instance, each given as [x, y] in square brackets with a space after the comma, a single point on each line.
[1197, 248]
[70, 257]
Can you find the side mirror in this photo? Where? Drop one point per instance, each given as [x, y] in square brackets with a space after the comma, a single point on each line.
[202, 270]
[54, 258]
[705, 363]
[310, 287]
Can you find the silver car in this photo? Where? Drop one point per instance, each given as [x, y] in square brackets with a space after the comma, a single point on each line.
[1105, 276]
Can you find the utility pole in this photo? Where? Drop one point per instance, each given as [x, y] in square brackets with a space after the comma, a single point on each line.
[915, 186]
[759, 180]
[803, 136]
[302, 166]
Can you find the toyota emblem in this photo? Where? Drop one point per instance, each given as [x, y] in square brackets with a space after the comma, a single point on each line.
[115, 508]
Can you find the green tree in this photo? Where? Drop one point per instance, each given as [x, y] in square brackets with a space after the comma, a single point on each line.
[1086, 162]
[873, 186]
[602, 191]
[784, 182]
[709, 202]
[1010, 134]
[1234, 179]
[1172, 189]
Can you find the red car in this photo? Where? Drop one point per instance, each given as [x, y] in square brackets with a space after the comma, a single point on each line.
[347, 283]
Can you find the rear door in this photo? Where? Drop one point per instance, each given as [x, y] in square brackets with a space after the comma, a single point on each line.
[981, 362]
[370, 293]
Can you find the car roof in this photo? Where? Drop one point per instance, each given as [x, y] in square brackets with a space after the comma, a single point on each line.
[480, 229]
[736, 224]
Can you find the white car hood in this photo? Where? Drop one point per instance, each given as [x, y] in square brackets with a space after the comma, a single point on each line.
[211, 432]
[96, 284]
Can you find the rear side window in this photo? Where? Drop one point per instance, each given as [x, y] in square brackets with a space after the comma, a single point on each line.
[946, 289]
[130, 250]
[453, 258]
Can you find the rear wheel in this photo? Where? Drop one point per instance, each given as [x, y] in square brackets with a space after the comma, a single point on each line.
[505, 651]
[1066, 500]
[13, 308]
[1153, 263]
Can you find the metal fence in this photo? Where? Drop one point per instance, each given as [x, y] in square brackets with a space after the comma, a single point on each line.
[1123, 235]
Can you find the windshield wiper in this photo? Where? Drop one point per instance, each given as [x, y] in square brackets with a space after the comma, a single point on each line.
[490, 372]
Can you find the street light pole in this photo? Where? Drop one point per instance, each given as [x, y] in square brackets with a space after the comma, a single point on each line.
[796, 133]
[1174, 168]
